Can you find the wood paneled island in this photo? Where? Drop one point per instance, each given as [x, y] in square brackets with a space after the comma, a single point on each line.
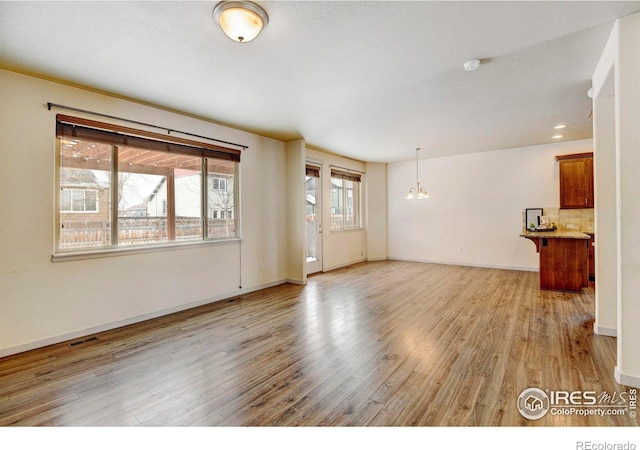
[564, 259]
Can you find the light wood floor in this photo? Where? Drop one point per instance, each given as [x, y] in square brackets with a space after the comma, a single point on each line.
[376, 344]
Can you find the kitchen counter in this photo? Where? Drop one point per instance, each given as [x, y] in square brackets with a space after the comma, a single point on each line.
[564, 259]
[555, 234]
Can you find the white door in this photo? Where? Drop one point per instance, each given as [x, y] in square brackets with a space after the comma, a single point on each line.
[313, 215]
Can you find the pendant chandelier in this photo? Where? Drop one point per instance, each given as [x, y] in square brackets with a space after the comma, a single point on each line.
[417, 191]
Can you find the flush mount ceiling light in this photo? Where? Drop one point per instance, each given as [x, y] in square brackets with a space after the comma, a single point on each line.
[417, 192]
[241, 21]
[471, 65]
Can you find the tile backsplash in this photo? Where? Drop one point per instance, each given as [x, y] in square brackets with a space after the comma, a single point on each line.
[568, 219]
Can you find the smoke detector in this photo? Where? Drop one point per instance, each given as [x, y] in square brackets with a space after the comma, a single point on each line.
[471, 65]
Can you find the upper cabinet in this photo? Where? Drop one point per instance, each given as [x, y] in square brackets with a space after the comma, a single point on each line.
[576, 180]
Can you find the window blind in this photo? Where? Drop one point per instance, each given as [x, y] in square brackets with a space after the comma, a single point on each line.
[313, 171]
[77, 128]
[346, 175]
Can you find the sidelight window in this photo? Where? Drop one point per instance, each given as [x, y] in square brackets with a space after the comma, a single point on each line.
[345, 200]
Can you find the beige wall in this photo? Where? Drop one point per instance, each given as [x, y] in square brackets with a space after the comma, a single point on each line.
[474, 215]
[43, 302]
[620, 66]
[376, 212]
[339, 248]
[296, 225]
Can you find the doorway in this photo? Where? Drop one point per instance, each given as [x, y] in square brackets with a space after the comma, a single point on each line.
[313, 216]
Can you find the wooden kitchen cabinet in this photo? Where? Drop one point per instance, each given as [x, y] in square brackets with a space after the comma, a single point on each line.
[564, 259]
[564, 264]
[576, 180]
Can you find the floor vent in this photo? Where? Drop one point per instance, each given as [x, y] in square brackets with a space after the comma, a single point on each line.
[82, 341]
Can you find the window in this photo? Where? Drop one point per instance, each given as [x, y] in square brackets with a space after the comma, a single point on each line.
[221, 199]
[219, 184]
[220, 214]
[79, 200]
[345, 200]
[120, 189]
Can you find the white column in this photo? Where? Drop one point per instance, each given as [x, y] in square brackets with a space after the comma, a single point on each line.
[296, 225]
[606, 229]
[627, 80]
[376, 211]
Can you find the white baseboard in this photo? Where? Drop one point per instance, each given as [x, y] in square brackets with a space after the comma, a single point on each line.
[467, 264]
[604, 331]
[626, 380]
[381, 258]
[298, 282]
[121, 323]
[340, 266]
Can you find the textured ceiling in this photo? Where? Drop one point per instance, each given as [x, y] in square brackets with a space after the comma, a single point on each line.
[368, 80]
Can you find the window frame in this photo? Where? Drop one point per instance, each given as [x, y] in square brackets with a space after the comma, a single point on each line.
[357, 208]
[62, 254]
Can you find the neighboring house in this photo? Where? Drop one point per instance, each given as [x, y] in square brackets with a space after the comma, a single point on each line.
[156, 202]
[82, 196]
[139, 210]
[187, 194]
[85, 212]
[84, 209]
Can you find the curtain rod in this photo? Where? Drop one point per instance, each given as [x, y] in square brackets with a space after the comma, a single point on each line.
[347, 169]
[168, 130]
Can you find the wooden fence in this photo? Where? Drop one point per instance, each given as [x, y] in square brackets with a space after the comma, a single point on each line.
[138, 231]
